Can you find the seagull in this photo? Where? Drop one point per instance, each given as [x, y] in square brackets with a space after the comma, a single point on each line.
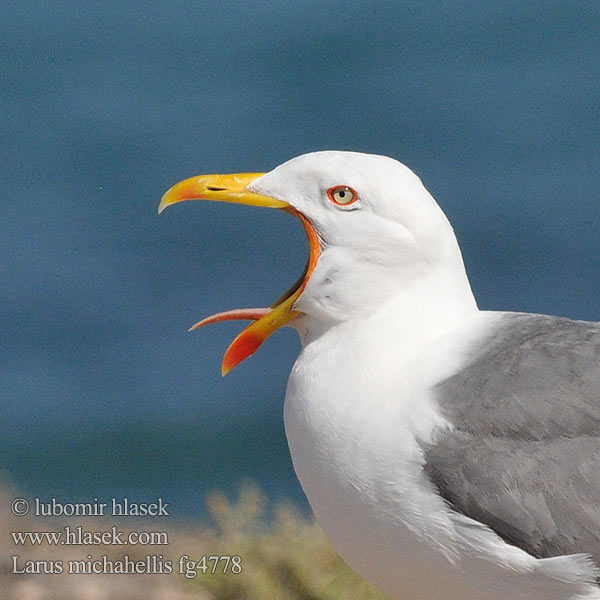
[448, 452]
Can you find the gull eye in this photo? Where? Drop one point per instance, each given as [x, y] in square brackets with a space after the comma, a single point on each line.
[342, 195]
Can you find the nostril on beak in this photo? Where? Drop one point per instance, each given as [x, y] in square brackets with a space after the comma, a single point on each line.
[212, 188]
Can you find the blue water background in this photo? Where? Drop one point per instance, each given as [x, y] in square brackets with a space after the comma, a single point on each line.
[496, 104]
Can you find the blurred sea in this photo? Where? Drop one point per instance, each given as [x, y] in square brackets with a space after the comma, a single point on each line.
[495, 104]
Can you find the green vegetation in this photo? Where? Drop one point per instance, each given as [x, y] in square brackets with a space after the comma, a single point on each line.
[286, 556]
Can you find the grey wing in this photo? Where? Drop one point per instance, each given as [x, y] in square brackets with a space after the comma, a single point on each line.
[524, 454]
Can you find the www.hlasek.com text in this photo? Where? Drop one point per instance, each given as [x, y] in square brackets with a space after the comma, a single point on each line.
[78, 536]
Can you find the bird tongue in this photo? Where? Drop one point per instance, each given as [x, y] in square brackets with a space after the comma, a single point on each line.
[237, 314]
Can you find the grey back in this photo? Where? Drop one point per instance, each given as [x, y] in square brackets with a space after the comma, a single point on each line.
[524, 455]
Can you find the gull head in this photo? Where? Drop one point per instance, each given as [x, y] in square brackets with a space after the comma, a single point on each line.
[375, 234]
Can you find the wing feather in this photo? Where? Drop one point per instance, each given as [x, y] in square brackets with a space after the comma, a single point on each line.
[524, 454]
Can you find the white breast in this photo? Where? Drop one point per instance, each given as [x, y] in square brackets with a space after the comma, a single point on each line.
[355, 444]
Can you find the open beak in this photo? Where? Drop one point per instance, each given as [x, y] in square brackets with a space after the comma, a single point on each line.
[233, 188]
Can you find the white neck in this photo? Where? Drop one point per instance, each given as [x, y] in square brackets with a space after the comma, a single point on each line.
[427, 307]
